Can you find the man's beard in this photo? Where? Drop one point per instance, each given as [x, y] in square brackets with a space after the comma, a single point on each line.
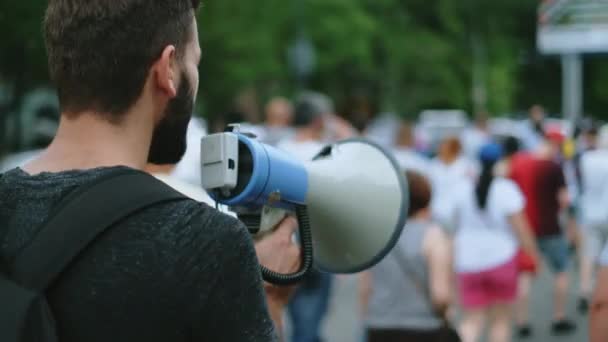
[169, 138]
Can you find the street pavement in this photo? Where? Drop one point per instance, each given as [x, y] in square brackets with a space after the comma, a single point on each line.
[344, 325]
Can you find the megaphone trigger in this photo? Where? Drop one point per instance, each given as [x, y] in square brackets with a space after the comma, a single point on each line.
[307, 254]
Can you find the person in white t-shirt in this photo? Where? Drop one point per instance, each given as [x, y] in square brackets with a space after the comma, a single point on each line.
[405, 154]
[594, 211]
[598, 329]
[446, 172]
[490, 227]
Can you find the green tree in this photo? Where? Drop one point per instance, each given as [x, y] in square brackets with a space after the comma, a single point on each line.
[239, 43]
[250, 51]
[412, 55]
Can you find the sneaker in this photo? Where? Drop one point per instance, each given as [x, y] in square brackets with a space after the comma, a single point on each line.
[524, 331]
[563, 327]
[583, 305]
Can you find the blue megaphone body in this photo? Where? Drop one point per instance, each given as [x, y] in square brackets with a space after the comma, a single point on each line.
[266, 176]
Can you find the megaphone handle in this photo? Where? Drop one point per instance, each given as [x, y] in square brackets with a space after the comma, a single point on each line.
[306, 254]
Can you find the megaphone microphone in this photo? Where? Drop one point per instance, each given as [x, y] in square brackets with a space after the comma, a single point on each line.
[351, 200]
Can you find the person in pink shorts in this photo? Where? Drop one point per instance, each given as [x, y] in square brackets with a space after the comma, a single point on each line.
[490, 228]
[479, 290]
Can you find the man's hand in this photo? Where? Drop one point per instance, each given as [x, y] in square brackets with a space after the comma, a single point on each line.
[279, 253]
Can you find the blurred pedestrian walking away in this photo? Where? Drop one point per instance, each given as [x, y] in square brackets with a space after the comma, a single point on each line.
[542, 181]
[446, 172]
[407, 295]
[490, 227]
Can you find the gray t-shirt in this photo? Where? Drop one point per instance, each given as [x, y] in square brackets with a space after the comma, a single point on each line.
[178, 271]
[397, 300]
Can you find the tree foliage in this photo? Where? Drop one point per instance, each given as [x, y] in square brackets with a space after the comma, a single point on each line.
[400, 55]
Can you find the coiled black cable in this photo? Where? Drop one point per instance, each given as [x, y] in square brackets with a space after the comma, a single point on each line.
[279, 279]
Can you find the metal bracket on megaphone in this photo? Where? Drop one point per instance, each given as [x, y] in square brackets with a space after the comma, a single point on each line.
[261, 186]
[261, 221]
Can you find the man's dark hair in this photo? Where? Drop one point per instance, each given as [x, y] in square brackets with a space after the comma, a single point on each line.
[100, 51]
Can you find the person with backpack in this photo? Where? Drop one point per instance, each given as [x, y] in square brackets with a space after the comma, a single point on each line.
[92, 248]
[490, 227]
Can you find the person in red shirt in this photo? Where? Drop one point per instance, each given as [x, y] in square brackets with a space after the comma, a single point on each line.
[543, 184]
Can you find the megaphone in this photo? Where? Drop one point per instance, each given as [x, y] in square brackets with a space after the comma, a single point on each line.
[352, 196]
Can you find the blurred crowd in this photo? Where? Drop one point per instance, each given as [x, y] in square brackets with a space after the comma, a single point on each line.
[490, 202]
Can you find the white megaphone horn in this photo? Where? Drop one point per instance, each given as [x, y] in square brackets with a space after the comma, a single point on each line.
[353, 195]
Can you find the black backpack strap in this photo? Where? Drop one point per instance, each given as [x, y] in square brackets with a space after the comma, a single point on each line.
[83, 216]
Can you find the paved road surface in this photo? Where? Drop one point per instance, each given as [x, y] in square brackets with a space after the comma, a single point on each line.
[343, 324]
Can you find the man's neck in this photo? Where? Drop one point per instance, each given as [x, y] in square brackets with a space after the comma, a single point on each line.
[88, 141]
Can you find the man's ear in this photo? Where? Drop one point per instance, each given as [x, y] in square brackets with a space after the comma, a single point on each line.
[164, 73]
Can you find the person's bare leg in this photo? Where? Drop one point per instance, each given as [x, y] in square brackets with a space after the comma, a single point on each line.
[586, 275]
[598, 329]
[560, 295]
[471, 325]
[588, 248]
[500, 326]
[523, 295]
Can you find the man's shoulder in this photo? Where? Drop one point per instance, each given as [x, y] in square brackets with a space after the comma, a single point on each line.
[179, 237]
[191, 213]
